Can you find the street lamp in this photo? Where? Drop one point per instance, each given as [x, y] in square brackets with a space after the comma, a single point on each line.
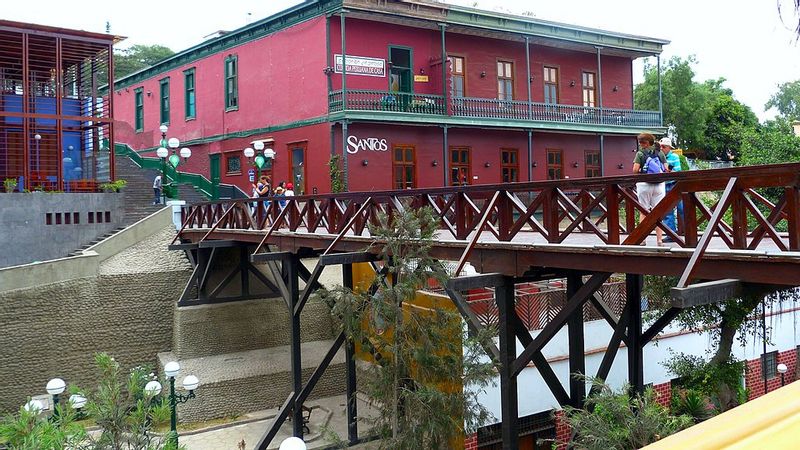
[190, 383]
[174, 159]
[782, 370]
[77, 402]
[293, 443]
[55, 387]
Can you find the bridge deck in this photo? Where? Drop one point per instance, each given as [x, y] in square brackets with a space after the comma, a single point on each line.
[730, 228]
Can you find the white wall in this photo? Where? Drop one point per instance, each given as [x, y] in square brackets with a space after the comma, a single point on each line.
[534, 395]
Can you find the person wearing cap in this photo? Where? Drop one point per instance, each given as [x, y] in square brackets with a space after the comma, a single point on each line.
[289, 192]
[673, 165]
[649, 194]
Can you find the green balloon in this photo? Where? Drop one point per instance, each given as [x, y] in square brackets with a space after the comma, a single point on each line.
[259, 161]
[174, 160]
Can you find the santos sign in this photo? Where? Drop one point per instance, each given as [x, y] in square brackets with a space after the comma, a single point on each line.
[362, 65]
[354, 144]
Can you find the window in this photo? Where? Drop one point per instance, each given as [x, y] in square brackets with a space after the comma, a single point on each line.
[460, 166]
[138, 101]
[592, 159]
[589, 89]
[188, 94]
[403, 167]
[551, 85]
[769, 365]
[555, 164]
[457, 75]
[234, 165]
[231, 83]
[164, 100]
[505, 80]
[509, 164]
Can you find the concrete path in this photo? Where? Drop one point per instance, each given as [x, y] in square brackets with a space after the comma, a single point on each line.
[328, 415]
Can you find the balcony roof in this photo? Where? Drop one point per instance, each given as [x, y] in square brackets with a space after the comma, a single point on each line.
[425, 14]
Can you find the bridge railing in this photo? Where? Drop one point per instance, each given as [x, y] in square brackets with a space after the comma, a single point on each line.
[731, 204]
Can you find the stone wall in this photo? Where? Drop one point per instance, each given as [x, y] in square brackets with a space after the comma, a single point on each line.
[66, 221]
[126, 310]
[247, 325]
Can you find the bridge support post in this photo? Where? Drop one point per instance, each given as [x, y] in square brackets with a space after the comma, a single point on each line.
[633, 291]
[504, 296]
[577, 360]
[350, 357]
[293, 277]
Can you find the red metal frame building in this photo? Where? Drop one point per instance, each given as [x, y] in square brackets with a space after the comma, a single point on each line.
[516, 99]
[55, 125]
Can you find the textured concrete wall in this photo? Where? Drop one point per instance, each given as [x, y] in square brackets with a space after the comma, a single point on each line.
[25, 218]
[53, 330]
[248, 325]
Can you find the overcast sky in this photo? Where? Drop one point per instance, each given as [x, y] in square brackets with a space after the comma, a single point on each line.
[744, 41]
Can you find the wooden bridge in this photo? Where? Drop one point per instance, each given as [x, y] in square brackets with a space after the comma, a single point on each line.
[732, 238]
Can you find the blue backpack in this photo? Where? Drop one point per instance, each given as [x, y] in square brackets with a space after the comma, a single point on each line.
[653, 164]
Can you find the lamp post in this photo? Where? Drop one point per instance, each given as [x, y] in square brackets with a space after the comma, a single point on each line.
[37, 137]
[190, 383]
[293, 443]
[174, 159]
[782, 370]
[55, 387]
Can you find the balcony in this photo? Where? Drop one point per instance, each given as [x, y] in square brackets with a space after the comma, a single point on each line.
[489, 108]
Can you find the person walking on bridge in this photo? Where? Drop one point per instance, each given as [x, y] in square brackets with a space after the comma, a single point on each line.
[649, 159]
[673, 165]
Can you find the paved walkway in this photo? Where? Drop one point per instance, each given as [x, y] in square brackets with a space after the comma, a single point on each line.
[328, 416]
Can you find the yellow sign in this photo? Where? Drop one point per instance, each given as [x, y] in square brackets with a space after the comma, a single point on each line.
[421, 78]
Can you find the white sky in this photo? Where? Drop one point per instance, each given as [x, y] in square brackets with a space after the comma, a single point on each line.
[743, 41]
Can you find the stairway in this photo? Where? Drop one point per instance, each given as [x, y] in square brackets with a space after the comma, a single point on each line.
[96, 240]
[139, 190]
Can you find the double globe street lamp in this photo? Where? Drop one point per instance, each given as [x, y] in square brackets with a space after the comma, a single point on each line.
[174, 159]
[259, 161]
[55, 388]
[190, 383]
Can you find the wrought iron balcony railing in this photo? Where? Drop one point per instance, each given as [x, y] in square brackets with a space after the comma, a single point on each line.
[488, 108]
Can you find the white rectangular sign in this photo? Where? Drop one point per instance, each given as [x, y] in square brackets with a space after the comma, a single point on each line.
[362, 65]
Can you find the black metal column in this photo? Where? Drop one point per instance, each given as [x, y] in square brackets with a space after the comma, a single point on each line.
[633, 291]
[577, 356]
[293, 278]
[504, 296]
[350, 357]
[244, 269]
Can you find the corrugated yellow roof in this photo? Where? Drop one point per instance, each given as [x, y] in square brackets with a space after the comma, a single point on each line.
[770, 422]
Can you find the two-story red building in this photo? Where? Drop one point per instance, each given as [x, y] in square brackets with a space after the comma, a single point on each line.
[407, 93]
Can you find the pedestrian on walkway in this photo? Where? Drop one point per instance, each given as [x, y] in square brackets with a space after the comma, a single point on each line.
[673, 165]
[157, 190]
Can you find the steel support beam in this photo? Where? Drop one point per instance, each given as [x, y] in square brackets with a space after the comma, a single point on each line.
[350, 359]
[504, 296]
[293, 280]
[633, 291]
[577, 359]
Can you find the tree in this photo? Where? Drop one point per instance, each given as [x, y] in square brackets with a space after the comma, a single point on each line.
[772, 143]
[727, 122]
[419, 370]
[138, 57]
[685, 101]
[786, 100]
[616, 421]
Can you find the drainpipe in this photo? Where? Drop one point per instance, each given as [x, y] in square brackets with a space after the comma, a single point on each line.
[445, 159]
[602, 155]
[660, 93]
[528, 83]
[445, 90]
[345, 174]
[344, 64]
[599, 82]
[530, 155]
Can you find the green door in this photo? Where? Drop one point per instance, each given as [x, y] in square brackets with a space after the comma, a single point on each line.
[214, 160]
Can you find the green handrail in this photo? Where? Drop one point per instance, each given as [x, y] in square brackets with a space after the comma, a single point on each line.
[199, 182]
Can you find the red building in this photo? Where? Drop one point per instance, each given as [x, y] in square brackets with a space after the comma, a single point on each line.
[55, 125]
[427, 94]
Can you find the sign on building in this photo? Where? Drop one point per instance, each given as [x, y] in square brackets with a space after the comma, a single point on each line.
[362, 65]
